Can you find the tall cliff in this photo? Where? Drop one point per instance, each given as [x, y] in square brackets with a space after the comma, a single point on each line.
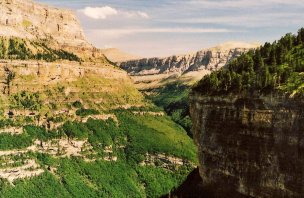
[30, 20]
[153, 72]
[248, 122]
[250, 146]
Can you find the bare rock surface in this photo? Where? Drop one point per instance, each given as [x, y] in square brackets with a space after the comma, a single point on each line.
[154, 72]
[29, 19]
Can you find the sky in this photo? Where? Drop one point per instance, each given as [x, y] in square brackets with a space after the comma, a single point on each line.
[150, 28]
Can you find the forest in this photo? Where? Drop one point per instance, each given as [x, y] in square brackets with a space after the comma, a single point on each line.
[135, 136]
[275, 68]
[16, 48]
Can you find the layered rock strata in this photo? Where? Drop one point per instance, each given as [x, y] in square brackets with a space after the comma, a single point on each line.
[250, 146]
[155, 72]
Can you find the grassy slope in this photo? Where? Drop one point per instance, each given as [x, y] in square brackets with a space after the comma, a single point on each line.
[124, 178]
[75, 177]
[173, 98]
[16, 48]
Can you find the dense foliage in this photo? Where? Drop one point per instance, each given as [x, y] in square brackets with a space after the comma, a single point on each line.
[26, 100]
[131, 138]
[85, 112]
[173, 98]
[272, 68]
[16, 48]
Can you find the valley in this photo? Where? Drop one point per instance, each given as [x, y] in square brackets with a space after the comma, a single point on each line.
[167, 81]
[72, 124]
[80, 121]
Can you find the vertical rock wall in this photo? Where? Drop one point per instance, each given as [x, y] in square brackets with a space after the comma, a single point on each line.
[250, 147]
[28, 19]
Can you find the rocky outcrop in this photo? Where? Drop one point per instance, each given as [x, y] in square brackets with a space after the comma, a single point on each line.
[151, 72]
[63, 83]
[28, 19]
[210, 59]
[250, 146]
[164, 161]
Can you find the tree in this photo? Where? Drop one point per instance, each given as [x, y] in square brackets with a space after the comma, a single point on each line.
[300, 37]
[258, 60]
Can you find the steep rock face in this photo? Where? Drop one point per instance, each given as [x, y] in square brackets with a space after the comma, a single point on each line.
[97, 85]
[203, 60]
[156, 72]
[250, 146]
[28, 19]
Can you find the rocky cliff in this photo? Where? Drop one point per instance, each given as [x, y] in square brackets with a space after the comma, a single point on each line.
[152, 72]
[30, 20]
[41, 43]
[250, 146]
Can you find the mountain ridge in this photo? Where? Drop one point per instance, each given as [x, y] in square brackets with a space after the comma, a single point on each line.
[72, 124]
[155, 72]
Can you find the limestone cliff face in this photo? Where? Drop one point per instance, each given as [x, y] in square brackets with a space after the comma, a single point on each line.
[28, 19]
[99, 86]
[156, 72]
[253, 147]
[211, 59]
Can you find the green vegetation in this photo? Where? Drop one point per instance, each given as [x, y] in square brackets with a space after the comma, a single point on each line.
[131, 139]
[76, 178]
[173, 98]
[16, 48]
[26, 100]
[85, 112]
[272, 68]
[77, 104]
[155, 134]
[31, 133]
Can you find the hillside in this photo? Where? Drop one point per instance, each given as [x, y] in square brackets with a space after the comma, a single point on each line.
[167, 81]
[248, 122]
[275, 68]
[153, 73]
[71, 123]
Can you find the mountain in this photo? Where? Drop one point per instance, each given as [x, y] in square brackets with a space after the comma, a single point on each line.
[72, 124]
[155, 72]
[167, 81]
[248, 122]
[31, 20]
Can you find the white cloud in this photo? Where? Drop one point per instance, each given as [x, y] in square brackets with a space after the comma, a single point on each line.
[99, 12]
[107, 11]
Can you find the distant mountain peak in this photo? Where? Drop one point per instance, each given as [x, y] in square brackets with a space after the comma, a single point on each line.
[154, 72]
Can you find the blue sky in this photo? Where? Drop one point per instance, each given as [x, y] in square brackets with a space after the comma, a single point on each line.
[165, 27]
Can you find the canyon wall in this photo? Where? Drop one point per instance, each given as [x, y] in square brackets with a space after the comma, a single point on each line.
[210, 59]
[28, 19]
[250, 147]
[189, 68]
